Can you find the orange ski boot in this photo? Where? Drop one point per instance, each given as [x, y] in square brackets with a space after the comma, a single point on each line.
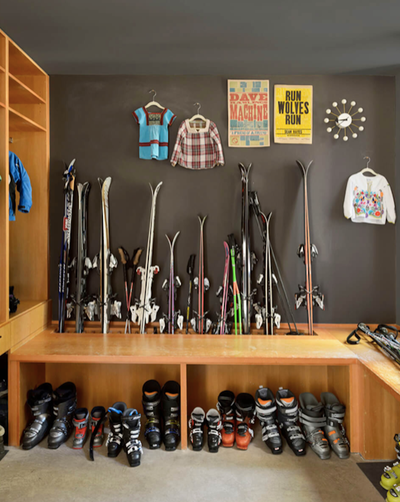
[226, 408]
[245, 418]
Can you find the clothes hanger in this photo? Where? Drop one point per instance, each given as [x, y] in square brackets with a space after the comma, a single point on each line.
[197, 116]
[154, 103]
[368, 169]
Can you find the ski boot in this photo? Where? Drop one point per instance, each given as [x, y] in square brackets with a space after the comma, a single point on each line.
[114, 440]
[397, 446]
[64, 404]
[196, 427]
[226, 407]
[80, 422]
[97, 419]
[390, 476]
[131, 431]
[334, 430]
[288, 415]
[265, 411]
[393, 495]
[40, 403]
[313, 421]
[151, 401]
[171, 399]
[214, 430]
[245, 418]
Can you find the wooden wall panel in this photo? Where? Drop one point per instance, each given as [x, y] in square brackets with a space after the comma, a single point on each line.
[381, 420]
[339, 384]
[206, 382]
[104, 384]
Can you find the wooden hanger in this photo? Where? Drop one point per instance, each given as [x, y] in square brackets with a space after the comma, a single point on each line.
[154, 103]
[197, 116]
[368, 169]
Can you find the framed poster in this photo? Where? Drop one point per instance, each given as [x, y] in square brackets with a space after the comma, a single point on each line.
[248, 113]
[293, 112]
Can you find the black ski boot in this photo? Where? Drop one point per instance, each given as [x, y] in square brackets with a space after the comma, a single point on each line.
[196, 427]
[171, 404]
[245, 418]
[288, 415]
[214, 430]
[313, 421]
[131, 432]
[64, 405]
[266, 414]
[97, 418]
[114, 440]
[40, 401]
[151, 401]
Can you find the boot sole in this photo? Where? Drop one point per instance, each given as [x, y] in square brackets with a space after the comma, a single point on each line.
[197, 449]
[242, 447]
[113, 455]
[155, 447]
[228, 445]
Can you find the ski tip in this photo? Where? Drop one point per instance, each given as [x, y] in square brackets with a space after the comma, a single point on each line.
[72, 163]
[202, 220]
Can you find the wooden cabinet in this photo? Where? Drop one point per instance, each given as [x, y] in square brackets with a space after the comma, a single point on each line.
[24, 250]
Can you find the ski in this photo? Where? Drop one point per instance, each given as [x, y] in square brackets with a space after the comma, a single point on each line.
[275, 280]
[63, 267]
[127, 264]
[190, 271]
[107, 262]
[237, 302]
[174, 320]
[200, 323]
[83, 262]
[223, 292]
[308, 295]
[245, 256]
[145, 309]
[270, 310]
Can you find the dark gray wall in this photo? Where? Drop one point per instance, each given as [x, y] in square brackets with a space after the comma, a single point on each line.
[91, 120]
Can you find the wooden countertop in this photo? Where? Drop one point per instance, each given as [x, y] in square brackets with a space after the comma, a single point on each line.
[119, 348]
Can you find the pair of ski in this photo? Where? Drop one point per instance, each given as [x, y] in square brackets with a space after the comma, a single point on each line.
[173, 320]
[308, 295]
[105, 260]
[267, 314]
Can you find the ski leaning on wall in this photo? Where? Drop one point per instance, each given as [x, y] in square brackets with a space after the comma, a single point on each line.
[106, 262]
[173, 320]
[308, 295]
[64, 264]
[127, 264]
[145, 309]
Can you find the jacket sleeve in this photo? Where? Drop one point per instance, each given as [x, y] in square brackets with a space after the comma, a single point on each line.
[389, 204]
[348, 208]
[176, 154]
[219, 154]
[25, 190]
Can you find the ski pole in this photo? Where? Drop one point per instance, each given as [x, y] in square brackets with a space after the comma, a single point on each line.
[190, 271]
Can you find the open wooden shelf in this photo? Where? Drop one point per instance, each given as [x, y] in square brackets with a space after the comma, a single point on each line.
[21, 93]
[19, 122]
[21, 64]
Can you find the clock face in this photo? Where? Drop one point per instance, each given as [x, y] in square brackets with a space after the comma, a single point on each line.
[344, 120]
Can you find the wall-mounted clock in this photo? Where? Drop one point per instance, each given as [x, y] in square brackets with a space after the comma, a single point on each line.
[344, 120]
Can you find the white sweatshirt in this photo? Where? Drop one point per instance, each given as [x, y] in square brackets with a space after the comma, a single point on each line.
[369, 199]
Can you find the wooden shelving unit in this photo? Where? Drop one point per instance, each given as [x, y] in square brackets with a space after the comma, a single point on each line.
[24, 120]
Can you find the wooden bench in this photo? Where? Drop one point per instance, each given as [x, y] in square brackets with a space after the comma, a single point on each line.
[113, 367]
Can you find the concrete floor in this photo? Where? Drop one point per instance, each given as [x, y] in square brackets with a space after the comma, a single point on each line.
[230, 475]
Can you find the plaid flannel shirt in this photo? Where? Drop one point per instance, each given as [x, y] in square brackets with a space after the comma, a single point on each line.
[198, 148]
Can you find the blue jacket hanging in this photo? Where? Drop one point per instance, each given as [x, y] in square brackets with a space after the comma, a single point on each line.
[19, 180]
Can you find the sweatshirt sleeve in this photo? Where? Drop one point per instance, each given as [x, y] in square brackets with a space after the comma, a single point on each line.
[389, 204]
[25, 190]
[348, 207]
[217, 144]
[176, 154]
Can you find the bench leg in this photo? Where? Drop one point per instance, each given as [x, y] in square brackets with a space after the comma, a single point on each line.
[184, 419]
[14, 390]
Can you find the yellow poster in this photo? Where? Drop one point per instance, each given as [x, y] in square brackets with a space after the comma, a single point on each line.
[293, 114]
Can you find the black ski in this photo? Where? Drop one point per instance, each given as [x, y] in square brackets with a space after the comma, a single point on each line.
[63, 267]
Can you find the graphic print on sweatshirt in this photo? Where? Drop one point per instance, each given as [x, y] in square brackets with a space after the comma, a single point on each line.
[368, 203]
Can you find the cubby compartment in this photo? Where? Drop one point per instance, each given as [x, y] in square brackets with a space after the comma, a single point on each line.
[27, 71]
[3, 218]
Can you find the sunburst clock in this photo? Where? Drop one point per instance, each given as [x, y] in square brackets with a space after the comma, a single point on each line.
[344, 120]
